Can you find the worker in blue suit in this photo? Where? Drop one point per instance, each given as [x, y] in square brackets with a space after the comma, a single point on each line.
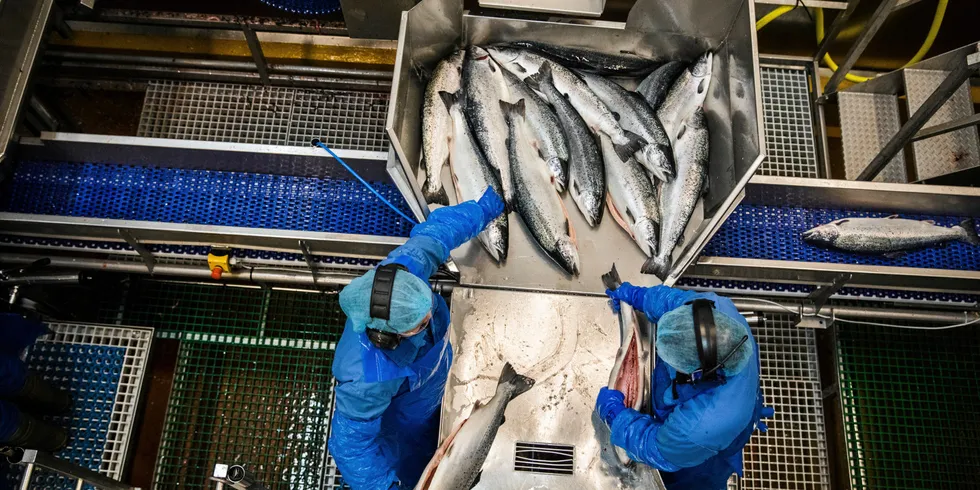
[393, 358]
[705, 389]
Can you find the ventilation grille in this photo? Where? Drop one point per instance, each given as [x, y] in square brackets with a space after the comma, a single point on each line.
[539, 457]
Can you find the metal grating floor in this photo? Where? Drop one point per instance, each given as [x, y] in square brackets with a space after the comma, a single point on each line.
[103, 368]
[911, 405]
[238, 113]
[788, 123]
[793, 454]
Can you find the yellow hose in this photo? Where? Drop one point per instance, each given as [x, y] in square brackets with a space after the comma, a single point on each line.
[937, 22]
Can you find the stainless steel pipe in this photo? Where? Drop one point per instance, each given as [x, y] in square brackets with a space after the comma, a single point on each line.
[857, 312]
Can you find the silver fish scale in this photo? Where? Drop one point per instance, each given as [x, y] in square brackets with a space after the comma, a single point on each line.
[888, 234]
[483, 91]
[436, 123]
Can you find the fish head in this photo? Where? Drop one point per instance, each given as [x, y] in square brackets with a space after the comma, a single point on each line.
[477, 53]
[565, 254]
[702, 66]
[589, 202]
[822, 235]
[645, 234]
[495, 239]
[503, 54]
[660, 160]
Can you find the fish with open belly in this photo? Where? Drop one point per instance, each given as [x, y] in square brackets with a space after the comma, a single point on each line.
[536, 201]
[458, 462]
[484, 87]
[632, 371]
[631, 197]
[536, 70]
[636, 116]
[679, 197]
[436, 125]
[889, 236]
[472, 175]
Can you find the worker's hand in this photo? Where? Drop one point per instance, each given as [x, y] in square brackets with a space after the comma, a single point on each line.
[629, 293]
[609, 404]
[491, 204]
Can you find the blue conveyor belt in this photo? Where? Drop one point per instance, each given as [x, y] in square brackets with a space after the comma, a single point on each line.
[306, 7]
[203, 197]
[729, 287]
[773, 233]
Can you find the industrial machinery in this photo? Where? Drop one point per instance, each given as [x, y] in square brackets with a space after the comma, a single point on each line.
[168, 152]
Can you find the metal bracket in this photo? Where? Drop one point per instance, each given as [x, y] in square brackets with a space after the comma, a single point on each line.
[31, 458]
[308, 257]
[236, 477]
[253, 45]
[816, 300]
[148, 260]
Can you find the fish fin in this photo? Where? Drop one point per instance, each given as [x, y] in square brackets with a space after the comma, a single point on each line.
[611, 279]
[617, 216]
[657, 265]
[931, 222]
[626, 151]
[517, 108]
[970, 227]
[568, 224]
[509, 376]
[435, 195]
[542, 77]
[840, 221]
[894, 216]
[480, 474]
[448, 98]
[895, 255]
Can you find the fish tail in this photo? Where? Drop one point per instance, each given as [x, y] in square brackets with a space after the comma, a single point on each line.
[448, 98]
[625, 151]
[658, 265]
[435, 193]
[542, 77]
[510, 377]
[515, 109]
[970, 227]
[611, 279]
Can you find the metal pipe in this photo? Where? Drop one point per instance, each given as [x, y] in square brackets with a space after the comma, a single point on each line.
[31, 457]
[227, 76]
[383, 75]
[857, 312]
[43, 278]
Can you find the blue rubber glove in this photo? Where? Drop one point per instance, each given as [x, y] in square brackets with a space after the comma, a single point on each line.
[609, 404]
[491, 204]
[632, 295]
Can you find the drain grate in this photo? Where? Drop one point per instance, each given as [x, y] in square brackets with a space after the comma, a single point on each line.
[543, 457]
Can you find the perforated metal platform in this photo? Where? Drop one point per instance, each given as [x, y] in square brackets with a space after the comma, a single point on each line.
[793, 454]
[868, 121]
[315, 7]
[204, 197]
[237, 113]
[103, 369]
[788, 123]
[766, 232]
[801, 290]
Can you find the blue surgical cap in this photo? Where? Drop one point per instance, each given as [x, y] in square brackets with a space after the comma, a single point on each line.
[677, 343]
[411, 301]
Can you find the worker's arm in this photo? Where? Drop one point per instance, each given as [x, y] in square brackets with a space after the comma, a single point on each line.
[655, 302]
[665, 445]
[355, 434]
[447, 228]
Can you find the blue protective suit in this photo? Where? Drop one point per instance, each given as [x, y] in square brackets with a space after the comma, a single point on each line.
[385, 427]
[695, 439]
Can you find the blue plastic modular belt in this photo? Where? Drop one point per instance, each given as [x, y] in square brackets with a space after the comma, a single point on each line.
[857, 293]
[204, 197]
[309, 7]
[91, 374]
[202, 251]
[773, 233]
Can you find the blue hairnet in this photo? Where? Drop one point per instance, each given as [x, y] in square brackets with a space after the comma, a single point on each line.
[677, 344]
[411, 301]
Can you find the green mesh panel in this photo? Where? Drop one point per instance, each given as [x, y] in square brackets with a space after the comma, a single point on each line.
[911, 402]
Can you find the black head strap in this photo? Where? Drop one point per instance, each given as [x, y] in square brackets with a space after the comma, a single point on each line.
[705, 333]
[384, 282]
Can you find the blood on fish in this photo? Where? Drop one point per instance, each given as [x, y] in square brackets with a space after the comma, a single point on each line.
[628, 381]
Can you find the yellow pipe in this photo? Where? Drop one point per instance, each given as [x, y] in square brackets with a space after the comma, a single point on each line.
[937, 22]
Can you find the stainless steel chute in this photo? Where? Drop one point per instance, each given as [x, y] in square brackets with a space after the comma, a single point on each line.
[654, 28]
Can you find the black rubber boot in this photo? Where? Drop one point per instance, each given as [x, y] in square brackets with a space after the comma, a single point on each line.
[33, 433]
[40, 397]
